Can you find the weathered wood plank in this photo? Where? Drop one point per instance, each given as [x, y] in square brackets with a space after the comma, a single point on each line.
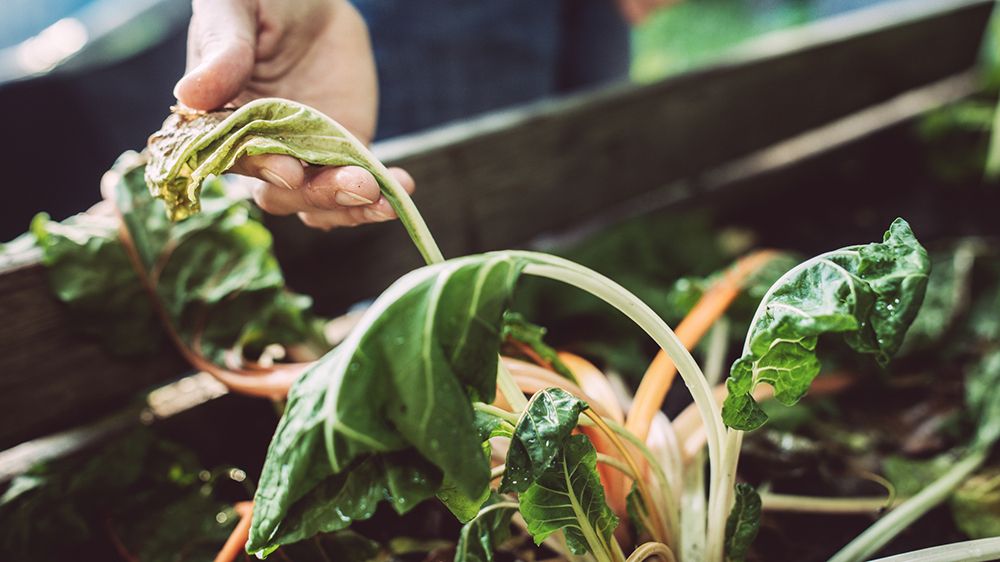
[504, 179]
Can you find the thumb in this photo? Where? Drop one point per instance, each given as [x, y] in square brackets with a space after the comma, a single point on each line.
[221, 49]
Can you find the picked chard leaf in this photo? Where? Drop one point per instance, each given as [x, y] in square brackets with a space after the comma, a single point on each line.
[488, 530]
[398, 393]
[190, 147]
[743, 523]
[539, 437]
[569, 497]
[869, 293]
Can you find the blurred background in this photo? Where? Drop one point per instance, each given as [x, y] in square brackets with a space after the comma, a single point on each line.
[83, 80]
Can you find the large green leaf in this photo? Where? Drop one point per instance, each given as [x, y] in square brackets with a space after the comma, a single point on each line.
[545, 423]
[481, 536]
[215, 275]
[869, 293]
[396, 393]
[743, 523]
[89, 270]
[569, 497]
[191, 147]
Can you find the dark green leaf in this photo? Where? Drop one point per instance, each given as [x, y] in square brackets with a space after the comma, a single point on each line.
[402, 382]
[215, 275]
[743, 523]
[151, 493]
[516, 327]
[569, 497]
[489, 426]
[481, 536]
[89, 270]
[546, 422]
[869, 293]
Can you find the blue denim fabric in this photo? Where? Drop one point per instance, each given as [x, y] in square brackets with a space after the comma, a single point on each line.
[443, 60]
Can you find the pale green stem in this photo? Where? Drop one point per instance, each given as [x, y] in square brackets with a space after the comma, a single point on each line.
[652, 549]
[506, 416]
[509, 389]
[694, 510]
[723, 480]
[886, 528]
[718, 510]
[980, 550]
[617, 464]
[494, 507]
[811, 504]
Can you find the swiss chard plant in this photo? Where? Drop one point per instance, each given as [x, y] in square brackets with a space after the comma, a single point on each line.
[416, 403]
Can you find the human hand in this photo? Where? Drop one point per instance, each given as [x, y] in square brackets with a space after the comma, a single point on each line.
[313, 51]
[636, 11]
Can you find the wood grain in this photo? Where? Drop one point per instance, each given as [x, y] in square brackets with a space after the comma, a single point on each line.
[504, 179]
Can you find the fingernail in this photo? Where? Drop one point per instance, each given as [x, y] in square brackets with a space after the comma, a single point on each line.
[176, 91]
[274, 178]
[376, 215]
[350, 199]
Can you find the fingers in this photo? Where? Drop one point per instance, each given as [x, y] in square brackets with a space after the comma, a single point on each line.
[222, 44]
[323, 197]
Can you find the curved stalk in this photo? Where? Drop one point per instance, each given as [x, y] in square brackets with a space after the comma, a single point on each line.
[886, 528]
[981, 550]
[809, 504]
[652, 550]
[725, 479]
[618, 465]
[506, 416]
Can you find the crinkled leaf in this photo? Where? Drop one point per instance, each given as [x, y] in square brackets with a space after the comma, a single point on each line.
[743, 523]
[481, 536]
[569, 497]
[549, 418]
[403, 478]
[89, 270]
[403, 381]
[215, 274]
[517, 327]
[869, 293]
[191, 147]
